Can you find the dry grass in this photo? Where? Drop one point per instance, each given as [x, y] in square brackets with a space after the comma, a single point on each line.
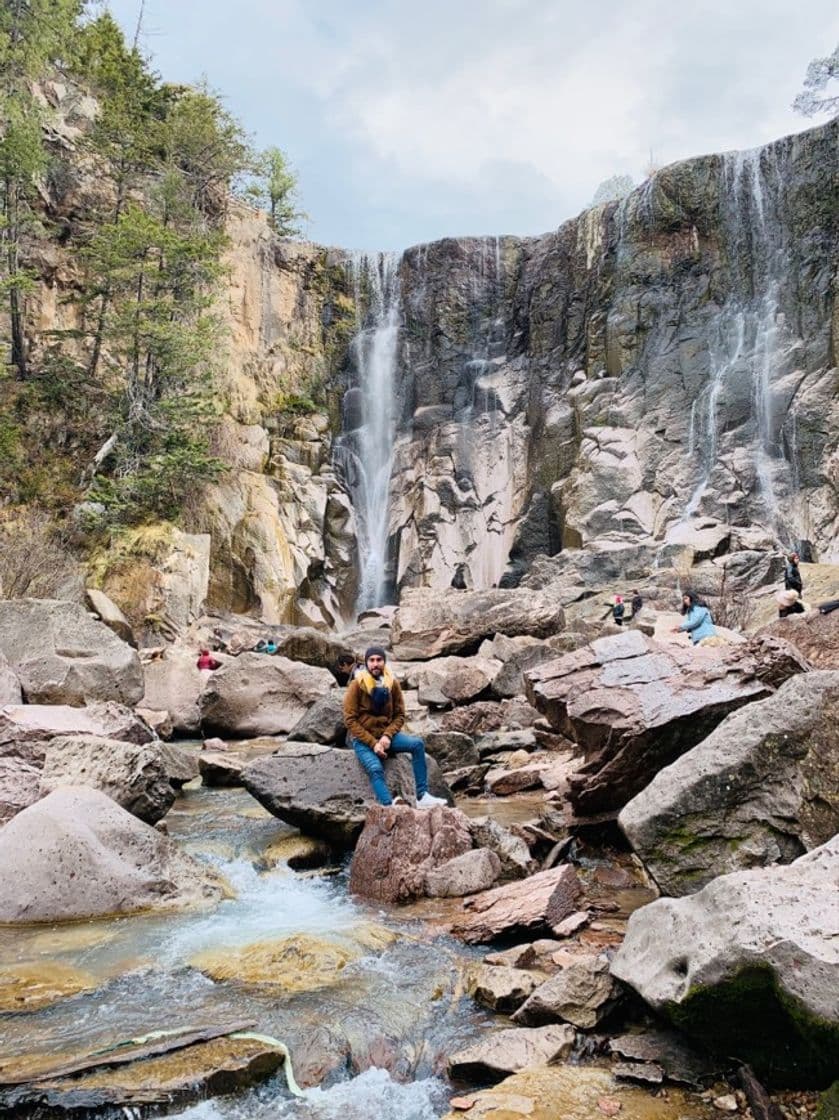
[35, 560]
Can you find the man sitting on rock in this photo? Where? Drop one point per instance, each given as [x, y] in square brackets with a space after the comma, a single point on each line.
[374, 714]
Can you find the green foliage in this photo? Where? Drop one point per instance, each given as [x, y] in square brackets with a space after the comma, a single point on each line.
[274, 186]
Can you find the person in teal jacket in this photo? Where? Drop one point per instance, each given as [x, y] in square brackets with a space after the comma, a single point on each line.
[698, 622]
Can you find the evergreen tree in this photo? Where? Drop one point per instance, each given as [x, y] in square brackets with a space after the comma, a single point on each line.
[275, 187]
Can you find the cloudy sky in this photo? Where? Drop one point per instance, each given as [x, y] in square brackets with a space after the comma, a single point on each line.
[409, 120]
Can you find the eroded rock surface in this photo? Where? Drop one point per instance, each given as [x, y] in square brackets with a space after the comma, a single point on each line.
[533, 905]
[260, 695]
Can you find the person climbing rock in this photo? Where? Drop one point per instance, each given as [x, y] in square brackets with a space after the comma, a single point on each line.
[617, 611]
[206, 661]
[346, 668]
[792, 575]
[698, 623]
[374, 714]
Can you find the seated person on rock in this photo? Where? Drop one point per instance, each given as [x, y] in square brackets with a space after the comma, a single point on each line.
[374, 714]
[346, 668]
[698, 622]
[789, 602]
[205, 661]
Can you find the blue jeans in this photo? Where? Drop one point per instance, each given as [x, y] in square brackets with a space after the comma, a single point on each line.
[399, 744]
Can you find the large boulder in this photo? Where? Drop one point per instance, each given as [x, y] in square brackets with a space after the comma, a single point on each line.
[762, 788]
[323, 722]
[583, 993]
[459, 680]
[532, 906]
[9, 684]
[473, 871]
[173, 684]
[109, 613]
[36, 724]
[634, 705]
[61, 655]
[261, 695]
[815, 635]
[431, 622]
[311, 646]
[749, 966]
[324, 791]
[399, 847]
[133, 776]
[77, 855]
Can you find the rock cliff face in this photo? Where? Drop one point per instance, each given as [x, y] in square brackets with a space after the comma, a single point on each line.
[648, 378]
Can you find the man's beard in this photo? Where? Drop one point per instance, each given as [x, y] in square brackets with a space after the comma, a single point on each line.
[377, 672]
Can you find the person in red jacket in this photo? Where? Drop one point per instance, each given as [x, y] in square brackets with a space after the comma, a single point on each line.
[205, 661]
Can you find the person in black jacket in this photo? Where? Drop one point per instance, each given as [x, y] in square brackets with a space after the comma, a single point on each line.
[792, 575]
[636, 602]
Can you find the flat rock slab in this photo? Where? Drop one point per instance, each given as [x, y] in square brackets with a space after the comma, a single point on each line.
[76, 854]
[761, 789]
[532, 905]
[508, 1051]
[752, 947]
[36, 723]
[399, 847]
[433, 622]
[61, 655]
[324, 791]
[634, 705]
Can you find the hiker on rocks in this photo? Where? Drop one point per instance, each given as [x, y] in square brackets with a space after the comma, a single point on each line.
[346, 668]
[374, 714]
[636, 603]
[206, 661]
[698, 623]
[789, 602]
[792, 575]
[617, 611]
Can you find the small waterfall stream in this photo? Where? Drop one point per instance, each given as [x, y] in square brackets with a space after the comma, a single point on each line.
[364, 453]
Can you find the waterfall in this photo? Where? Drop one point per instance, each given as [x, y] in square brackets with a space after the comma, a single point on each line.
[364, 453]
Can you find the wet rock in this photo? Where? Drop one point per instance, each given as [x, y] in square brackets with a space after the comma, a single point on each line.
[503, 988]
[465, 874]
[133, 776]
[323, 722]
[752, 947]
[19, 786]
[508, 1051]
[32, 985]
[300, 853]
[61, 655]
[431, 622]
[37, 724]
[399, 847]
[467, 779]
[530, 905]
[583, 993]
[324, 792]
[452, 749]
[762, 788]
[301, 963]
[512, 851]
[634, 705]
[79, 855]
[110, 614]
[502, 782]
[174, 684]
[9, 684]
[260, 695]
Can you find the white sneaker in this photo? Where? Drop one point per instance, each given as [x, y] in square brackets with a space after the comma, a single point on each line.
[429, 801]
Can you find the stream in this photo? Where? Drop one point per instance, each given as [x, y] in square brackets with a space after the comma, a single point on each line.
[371, 1029]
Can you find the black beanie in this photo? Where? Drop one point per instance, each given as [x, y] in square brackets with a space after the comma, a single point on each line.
[375, 651]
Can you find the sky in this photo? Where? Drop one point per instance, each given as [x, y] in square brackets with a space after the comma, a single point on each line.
[411, 120]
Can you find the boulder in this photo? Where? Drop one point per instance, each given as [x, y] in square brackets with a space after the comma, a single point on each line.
[531, 905]
[508, 1051]
[431, 622]
[503, 988]
[9, 684]
[473, 871]
[110, 614]
[509, 680]
[221, 768]
[180, 763]
[514, 854]
[490, 715]
[158, 720]
[61, 655]
[814, 635]
[583, 993]
[459, 680]
[310, 646]
[323, 722]
[634, 705]
[173, 684]
[259, 695]
[37, 723]
[399, 847]
[452, 749]
[752, 947]
[78, 855]
[19, 785]
[324, 791]
[133, 776]
[762, 788]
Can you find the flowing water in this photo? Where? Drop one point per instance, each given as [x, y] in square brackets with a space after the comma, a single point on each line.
[364, 454]
[400, 1004]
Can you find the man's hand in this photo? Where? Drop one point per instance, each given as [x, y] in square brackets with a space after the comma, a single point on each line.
[381, 748]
